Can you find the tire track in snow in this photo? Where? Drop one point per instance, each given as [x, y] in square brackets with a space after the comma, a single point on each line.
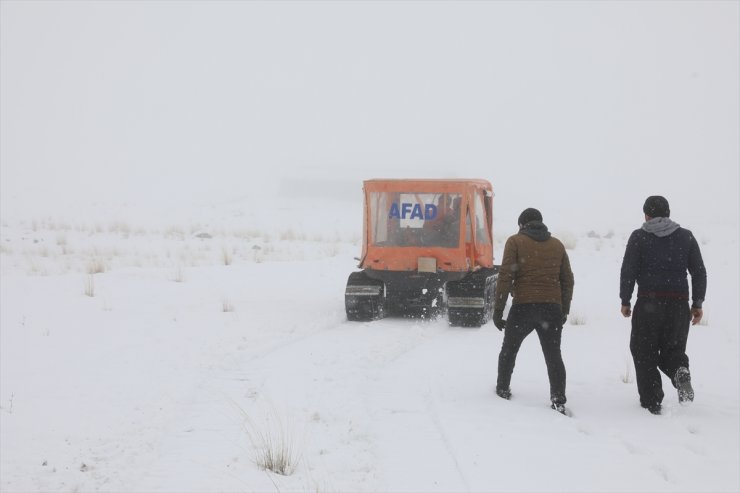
[221, 362]
[411, 425]
[434, 414]
[346, 354]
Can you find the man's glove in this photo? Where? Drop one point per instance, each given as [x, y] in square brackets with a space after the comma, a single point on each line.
[565, 319]
[498, 319]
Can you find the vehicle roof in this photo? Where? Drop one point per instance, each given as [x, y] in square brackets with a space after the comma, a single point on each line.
[401, 184]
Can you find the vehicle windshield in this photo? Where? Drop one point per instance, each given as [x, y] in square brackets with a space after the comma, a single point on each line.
[415, 219]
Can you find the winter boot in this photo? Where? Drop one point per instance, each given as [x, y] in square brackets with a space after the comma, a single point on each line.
[504, 393]
[655, 409]
[559, 408]
[682, 381]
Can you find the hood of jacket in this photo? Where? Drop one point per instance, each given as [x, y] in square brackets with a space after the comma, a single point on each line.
[535, 230]
[660, 226]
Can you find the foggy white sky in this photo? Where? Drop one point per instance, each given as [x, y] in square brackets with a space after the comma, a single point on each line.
[581, 109]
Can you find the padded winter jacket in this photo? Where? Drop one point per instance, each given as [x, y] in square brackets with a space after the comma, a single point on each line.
[535, 269]
[659, 266]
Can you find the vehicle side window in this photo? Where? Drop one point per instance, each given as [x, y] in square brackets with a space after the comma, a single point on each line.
[481, 233]
[379, 221]
[468, 227]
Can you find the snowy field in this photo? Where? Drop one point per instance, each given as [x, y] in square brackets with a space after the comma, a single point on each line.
[180, 208]
[168, 354]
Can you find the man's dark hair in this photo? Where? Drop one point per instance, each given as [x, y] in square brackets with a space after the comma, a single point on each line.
[656, 206]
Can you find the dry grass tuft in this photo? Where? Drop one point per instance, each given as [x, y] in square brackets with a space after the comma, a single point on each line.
[273, 444]
[178, 275]
[569, 240]
[577, 319]
[226, 256]
[90, 285]
[626, 377]
[95, 266]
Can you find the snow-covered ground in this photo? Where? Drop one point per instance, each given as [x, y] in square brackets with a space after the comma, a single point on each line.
[141, 354]
[180, 205]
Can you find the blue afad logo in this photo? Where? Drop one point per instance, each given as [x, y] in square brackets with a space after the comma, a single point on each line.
[412, 211]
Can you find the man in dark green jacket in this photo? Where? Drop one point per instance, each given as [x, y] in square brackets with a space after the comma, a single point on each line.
[536, 272]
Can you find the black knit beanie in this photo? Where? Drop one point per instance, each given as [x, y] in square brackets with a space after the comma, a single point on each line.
[656, 206]
[528, 215]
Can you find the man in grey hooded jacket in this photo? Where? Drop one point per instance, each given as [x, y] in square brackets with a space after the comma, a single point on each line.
[657, 258]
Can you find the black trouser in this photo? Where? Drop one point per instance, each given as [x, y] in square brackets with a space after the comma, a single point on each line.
[546, 319]
[660, 328]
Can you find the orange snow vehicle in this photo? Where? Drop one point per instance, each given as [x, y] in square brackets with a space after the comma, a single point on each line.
[427, 249]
